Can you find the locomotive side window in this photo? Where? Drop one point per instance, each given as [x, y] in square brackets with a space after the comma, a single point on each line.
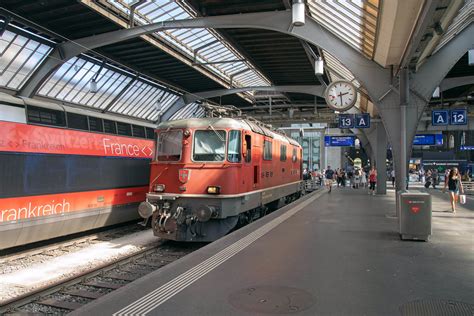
[294, 155]
[248, 148]
[234, 147]
[170, 146]
[282, 152]
[209, 145]
[267, 150]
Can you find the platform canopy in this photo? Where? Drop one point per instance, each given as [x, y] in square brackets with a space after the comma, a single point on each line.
[146, 76]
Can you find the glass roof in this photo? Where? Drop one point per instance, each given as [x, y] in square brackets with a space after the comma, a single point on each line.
[19, 57]
[353, 21]
[190, 110]
[117, 90]
[204, 46]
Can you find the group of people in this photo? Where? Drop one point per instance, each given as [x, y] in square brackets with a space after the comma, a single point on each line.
[358, 178]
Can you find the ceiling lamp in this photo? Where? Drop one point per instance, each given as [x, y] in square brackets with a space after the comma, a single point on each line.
[319, 66]
[298, 12]
[93, 86]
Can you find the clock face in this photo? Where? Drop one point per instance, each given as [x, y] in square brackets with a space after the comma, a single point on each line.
[341, 95]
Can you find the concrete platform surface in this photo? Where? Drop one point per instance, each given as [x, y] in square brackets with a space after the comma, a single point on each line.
[330, 254]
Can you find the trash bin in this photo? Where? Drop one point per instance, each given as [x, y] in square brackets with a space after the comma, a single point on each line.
[415, 216]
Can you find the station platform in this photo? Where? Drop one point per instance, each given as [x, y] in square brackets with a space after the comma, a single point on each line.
[326, 254]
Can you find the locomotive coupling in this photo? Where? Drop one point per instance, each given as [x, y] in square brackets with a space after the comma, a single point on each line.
[146, 209]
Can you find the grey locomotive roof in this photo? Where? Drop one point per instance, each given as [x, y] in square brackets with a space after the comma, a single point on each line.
[225, 123]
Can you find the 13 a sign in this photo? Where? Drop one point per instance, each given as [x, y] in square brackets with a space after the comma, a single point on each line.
[362, 120]
[346, 121]
[458, 117]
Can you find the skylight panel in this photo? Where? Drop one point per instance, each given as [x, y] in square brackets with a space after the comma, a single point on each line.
[191, 42]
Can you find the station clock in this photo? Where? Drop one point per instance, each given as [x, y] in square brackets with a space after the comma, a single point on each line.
[340, 95]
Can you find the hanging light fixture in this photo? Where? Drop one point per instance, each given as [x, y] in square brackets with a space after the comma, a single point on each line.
[319, 66]
[298, 12]
[93, 86]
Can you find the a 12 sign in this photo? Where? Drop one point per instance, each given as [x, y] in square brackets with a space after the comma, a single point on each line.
[446, 117]
[354, 121]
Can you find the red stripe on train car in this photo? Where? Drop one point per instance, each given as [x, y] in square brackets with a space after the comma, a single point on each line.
[19, 137]
[13, 209]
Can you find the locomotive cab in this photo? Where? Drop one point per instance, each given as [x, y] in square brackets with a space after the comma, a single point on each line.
[206, 177]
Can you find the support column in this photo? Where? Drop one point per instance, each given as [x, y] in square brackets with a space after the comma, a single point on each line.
[404, 101]
[380, 158]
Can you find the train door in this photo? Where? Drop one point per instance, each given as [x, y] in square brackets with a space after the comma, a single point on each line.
[250, 169]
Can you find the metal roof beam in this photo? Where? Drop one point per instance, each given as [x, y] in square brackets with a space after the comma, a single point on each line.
[449, 83]
[369, 73]
[307, 89]
[423, 21]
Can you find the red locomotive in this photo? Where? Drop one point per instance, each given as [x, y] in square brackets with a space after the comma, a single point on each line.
[210, 174]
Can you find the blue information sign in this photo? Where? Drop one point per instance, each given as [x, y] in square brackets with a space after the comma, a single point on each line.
[439, 117]
[428, 139]
[330, 141]
[458, 117]
[362, 120]
[466, 147]
[346, 121]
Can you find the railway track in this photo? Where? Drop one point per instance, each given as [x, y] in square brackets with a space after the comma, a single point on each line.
[67, 295]
[14, 260]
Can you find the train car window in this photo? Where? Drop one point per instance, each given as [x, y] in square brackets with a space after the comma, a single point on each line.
[248, 148]
[294, 155]
[169, 145]
[267, 150]
[95, 124]
[109, 127]
[77, 121]
[209, 145]
[150, 133]
[282, 152]
[124, 129]
[46, 116]
[234, 147]
[138, 131]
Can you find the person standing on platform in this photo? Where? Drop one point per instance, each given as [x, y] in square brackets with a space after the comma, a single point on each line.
[454, 185]
[372, 180]
[363, 178]
[329, 178]
[392, 175]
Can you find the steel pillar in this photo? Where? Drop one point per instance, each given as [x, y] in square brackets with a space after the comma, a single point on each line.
[380, 158]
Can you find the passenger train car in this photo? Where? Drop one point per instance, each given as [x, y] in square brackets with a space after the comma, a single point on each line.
[64, 170]
[211, 174]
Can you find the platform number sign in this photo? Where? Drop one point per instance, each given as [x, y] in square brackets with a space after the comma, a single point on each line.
[440, 117]
[346, 121]
[362, 120]
[458, 117]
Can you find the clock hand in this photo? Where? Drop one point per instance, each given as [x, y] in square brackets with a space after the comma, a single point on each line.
[340, 96]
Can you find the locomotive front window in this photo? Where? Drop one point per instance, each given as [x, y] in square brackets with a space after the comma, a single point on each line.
[209, 145]
[234, 148]
[170, 145]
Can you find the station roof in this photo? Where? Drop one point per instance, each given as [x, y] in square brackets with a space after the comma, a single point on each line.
[144, 76]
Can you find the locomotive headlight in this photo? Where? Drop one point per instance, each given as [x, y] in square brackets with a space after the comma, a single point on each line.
[213, 189]
[159, 188]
